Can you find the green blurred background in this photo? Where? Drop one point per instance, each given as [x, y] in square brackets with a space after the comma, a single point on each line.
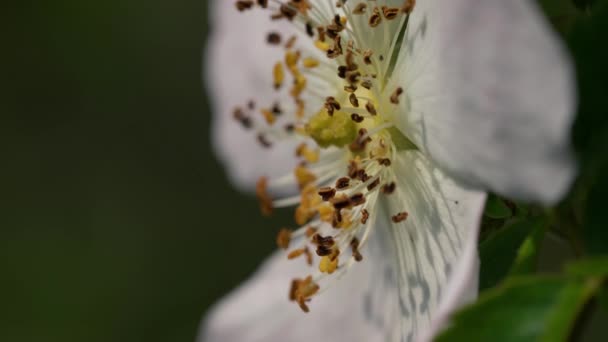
[118, 223]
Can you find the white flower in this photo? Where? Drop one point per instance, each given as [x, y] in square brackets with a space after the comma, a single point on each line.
[419, 107]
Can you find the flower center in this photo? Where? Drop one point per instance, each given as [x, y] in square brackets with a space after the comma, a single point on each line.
[343, 115]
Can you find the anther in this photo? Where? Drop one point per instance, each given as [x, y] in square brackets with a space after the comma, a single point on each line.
[354, 246]
[263, 3]
[390, 13]
[370, 108]
[375, 18]
[367, 56]
[327, 193]
[384, 162]
[340, 202]
[284, 238]
[291, 42]
[261, 191]
[364, 216]
[373, 184]
[357, 118]
[342, 183]
[400, 217]
[244, 5]
[288, 11]
[389, 188]
[273, 38]
[395, 95]
[241, 117]
[367, 84]
[278, 75]
[357, 199]
[355, 102]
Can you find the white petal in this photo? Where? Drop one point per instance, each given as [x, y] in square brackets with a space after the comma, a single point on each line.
[413, 275]
[361, 306]
[490, 95]
[436, 245]
[239, 68]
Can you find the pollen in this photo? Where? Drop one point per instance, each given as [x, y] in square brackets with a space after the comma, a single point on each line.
[263, 197]
[310, 62]
[278, 75]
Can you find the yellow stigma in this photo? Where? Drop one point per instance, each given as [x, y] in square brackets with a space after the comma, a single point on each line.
[336, 130]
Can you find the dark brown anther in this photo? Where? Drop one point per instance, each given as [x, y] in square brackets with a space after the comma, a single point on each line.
[373, 184]
[342, 71]
[353, 76]
[395, 95]
[289, 128]
[389, 188]
[244, 5]
[263, 3]
[367, 56]
[310, 30]
[273, 38]
[355, 102]
[288, 11]
[327, 193]
[340, 202]
[336, 219]
[354, 246]
[284, 238]
[400, 217]
[320, 240]
[363, 176]
[367, 84]
[342, 183]
[370, 108]
[384, 161]
[261, 192]
[357, 199]
[276, 109]
[337, 20]
[331, 104]
[375, 19]
[251, 105]
[241, 117]
[356, 118]
[323, 251]
[350, 88]
[364, 216]
[390, 13]
[264, 141]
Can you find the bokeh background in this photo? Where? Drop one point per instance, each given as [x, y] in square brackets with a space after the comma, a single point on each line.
[117, 222]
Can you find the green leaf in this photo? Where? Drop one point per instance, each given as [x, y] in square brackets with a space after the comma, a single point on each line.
[496, 208]
[499, 252]
[524, 309]
[527, 255]
[593, 267]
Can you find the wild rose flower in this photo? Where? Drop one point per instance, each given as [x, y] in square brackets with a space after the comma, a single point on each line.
[392, 119]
